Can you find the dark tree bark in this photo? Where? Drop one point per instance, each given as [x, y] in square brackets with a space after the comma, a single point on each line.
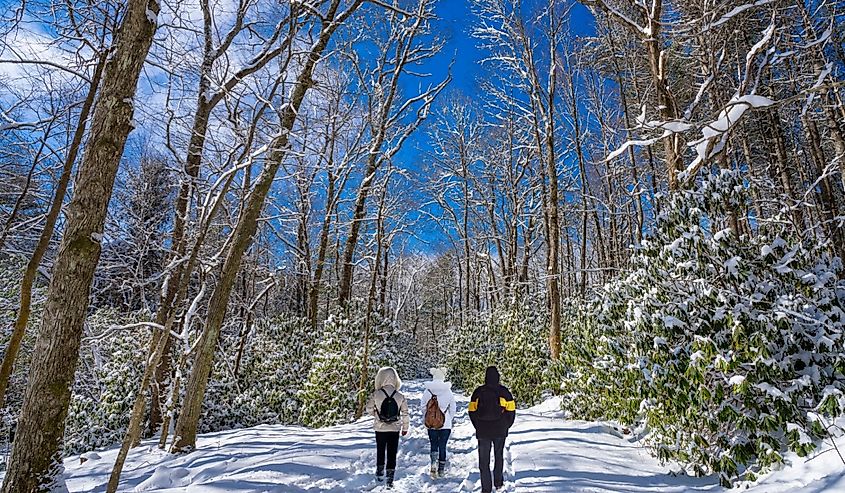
[36, 452]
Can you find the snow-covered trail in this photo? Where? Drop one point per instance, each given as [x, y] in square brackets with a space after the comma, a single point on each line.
[544, 453]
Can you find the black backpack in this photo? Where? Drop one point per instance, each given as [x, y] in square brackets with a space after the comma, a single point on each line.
[389, 412]
[489, 407]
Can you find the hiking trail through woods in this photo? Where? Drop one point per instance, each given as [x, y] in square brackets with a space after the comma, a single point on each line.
[544, 453]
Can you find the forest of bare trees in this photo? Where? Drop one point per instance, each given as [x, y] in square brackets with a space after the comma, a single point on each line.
[197, 194]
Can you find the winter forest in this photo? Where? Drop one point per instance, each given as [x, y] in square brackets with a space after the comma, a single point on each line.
[220, 214]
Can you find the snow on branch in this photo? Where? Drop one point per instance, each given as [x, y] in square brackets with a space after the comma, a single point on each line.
[118, 328]
[392, 8]
[823, 74]
[669, 128]
[47, 63]
[716, 133]
[823, 39]
[631, 143]
[736, 11]
[11, 124]
[644, 32]
[758, 46]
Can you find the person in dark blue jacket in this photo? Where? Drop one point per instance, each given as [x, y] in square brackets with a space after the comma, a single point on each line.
[492, 411]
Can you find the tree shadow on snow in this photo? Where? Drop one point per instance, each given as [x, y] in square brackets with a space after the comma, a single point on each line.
[566, 481]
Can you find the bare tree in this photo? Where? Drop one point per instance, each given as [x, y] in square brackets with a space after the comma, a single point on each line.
[36, 453]
[186, 426]
[52, 217]
[389, 111]
[513, 43]
[210, 93]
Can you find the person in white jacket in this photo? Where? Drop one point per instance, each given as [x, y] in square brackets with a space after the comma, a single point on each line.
[389, 419]
[441, 389]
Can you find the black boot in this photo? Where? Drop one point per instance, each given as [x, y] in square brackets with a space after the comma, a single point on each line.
[441, 468]
[391, 473]
[379, 473]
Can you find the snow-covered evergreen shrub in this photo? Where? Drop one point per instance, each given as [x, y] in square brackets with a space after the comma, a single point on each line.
[332, 391]
[514, 338]
[330, 394]
[595, 365]
[397, 348]
[389, 346]
[729, 349]
[106, 379]
[472, 348]
[526, 358]
[109, 372]
[274, 365]
[576, 318]
[11, 273]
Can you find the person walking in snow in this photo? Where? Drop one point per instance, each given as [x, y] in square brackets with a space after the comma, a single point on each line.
[390, 417]
[438, 409]
[492, 411]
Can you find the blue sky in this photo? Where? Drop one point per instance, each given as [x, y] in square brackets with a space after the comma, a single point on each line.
[455, 24]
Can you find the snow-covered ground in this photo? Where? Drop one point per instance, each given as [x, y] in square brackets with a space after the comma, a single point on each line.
[544, 454]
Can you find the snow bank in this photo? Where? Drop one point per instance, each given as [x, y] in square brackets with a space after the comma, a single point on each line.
[165, 478]
[823, 471]
[545, 453]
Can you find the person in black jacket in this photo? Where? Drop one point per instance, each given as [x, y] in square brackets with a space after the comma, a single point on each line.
[492, 410]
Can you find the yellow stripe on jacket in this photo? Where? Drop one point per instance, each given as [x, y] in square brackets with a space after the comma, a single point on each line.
[508, 405]
[473, 406]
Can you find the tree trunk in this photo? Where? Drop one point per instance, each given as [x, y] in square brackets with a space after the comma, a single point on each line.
[175, 386]
[637, 194]
[582, 173]
[783, 170]
[825, 194]
[186, 426]
[133, 431]
[345, 287]
[389, 77]
[368, 316]
[207, 100]
[36, 452]
[665, 100]
[465, 222]
[554, 220]
[749, 162]
[314, 292]
[836, 133]
[174, 278]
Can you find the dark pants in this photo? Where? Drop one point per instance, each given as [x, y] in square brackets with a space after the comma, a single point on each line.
[387, 442]
[484, 445]
[438, 439]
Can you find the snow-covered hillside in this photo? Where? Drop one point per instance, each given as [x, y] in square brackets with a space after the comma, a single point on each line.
[545, 453]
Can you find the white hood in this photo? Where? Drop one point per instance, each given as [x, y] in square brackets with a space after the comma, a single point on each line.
[387, 376]
[437, 387]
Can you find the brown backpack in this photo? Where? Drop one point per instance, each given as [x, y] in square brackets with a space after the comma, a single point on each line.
[434, 417]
